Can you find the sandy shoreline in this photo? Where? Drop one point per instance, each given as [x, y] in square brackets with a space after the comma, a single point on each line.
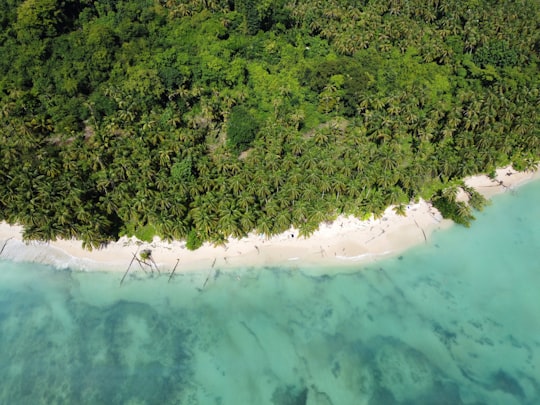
[345, 242]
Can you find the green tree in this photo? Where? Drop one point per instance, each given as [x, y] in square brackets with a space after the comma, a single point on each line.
[241, 129]
[37, 19]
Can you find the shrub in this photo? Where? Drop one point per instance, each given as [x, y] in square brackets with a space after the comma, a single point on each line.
[193, 242]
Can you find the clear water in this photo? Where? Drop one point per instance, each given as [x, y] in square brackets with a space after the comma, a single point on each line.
[456, 321]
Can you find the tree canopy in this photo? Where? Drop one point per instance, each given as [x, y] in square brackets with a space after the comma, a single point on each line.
[202, 120]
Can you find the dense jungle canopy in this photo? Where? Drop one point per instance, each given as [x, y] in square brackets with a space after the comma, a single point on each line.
[205, 119]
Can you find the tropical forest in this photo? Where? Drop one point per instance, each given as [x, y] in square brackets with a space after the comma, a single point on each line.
[202, 120]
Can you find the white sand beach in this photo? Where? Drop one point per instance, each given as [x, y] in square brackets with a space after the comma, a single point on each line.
[345, 242]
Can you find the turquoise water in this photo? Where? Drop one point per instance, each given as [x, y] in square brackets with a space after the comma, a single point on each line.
[453, 322]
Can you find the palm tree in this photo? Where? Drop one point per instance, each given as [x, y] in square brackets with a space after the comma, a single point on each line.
[228, 221]
[264, 225]
[282, 221]
[400, 209]
[297, 118]
[204, 221]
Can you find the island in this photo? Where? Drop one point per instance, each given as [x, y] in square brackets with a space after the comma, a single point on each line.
[205, 122]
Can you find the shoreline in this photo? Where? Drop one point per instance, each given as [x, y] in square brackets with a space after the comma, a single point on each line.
[344, 243]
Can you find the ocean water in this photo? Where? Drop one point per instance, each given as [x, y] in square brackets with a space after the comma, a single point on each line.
[455, 321]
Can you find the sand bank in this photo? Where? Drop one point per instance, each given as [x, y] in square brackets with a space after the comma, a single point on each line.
[345, 242]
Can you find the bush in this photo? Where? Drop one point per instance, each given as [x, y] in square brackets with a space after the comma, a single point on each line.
[193, 242]
[146, 233]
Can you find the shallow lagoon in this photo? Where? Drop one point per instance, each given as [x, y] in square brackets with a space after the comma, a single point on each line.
[452, 322]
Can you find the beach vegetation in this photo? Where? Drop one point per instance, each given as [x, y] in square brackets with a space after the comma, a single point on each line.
[200, 121]
[450, 207]
[193, 241]
[400, 209]
[145, 233]
[476, 200]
